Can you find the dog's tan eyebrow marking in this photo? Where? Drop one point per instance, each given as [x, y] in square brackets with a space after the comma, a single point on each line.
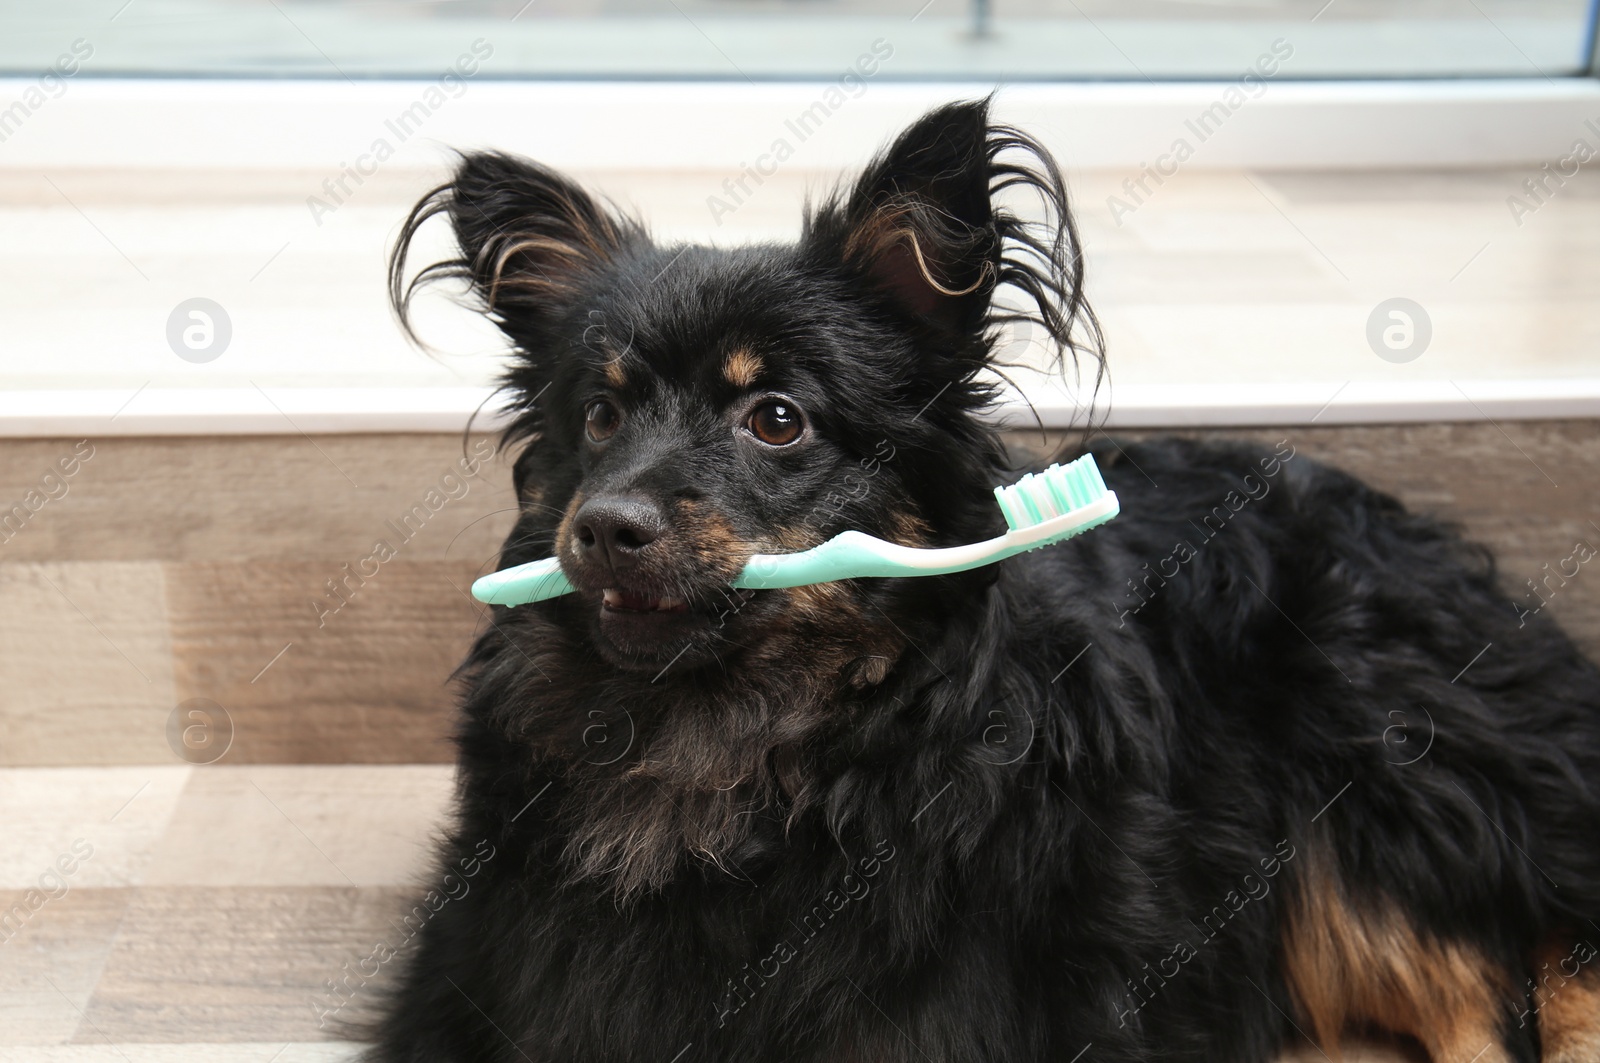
[616, 376]
[741, 368]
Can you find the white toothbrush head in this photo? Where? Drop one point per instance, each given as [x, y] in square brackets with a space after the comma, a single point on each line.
[1056, 491]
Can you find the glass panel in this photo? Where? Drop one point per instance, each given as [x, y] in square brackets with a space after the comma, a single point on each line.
[1011, 40]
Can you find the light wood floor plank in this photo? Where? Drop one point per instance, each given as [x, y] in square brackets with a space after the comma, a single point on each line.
[51, 961]
[85, 662]
[242, 498]
[308, 677]
[240, 964]
[304, 825]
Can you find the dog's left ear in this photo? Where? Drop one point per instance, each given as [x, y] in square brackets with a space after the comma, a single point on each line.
[924, 229]
[919, 223]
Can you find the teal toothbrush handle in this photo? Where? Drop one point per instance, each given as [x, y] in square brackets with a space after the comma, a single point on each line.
[848, 555]
[532, 582]
[854, 554]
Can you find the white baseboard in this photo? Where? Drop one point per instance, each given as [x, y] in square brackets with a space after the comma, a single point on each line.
[316, 411]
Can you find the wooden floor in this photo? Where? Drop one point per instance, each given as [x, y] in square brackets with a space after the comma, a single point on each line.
[216, 899]
[216, 903]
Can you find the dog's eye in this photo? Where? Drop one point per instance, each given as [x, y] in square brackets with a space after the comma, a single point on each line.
[601, 419]
[776, 422]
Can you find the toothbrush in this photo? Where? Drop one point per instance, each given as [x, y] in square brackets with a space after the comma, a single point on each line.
[1040, 509]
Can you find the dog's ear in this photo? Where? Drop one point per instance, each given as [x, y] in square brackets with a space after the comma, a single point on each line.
[527, 236]
[918, 223]
[927, 227]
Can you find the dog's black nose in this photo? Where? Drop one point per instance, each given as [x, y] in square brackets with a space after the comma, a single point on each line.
[612, 531]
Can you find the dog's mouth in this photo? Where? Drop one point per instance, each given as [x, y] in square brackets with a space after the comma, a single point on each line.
[643, 627]
[617, 600]
[666, 603]
[719, 604]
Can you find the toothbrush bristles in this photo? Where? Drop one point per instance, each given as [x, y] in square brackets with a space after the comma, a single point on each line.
[1057, 490]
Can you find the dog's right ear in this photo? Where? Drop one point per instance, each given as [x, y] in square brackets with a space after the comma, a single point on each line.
[528, 237]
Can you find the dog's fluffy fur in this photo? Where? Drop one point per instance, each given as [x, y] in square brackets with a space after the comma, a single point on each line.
[1266, 757]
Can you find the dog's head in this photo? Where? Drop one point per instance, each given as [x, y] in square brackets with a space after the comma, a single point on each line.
[683, 407]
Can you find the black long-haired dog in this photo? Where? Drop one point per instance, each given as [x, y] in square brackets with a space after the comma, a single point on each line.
[1265, 758]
